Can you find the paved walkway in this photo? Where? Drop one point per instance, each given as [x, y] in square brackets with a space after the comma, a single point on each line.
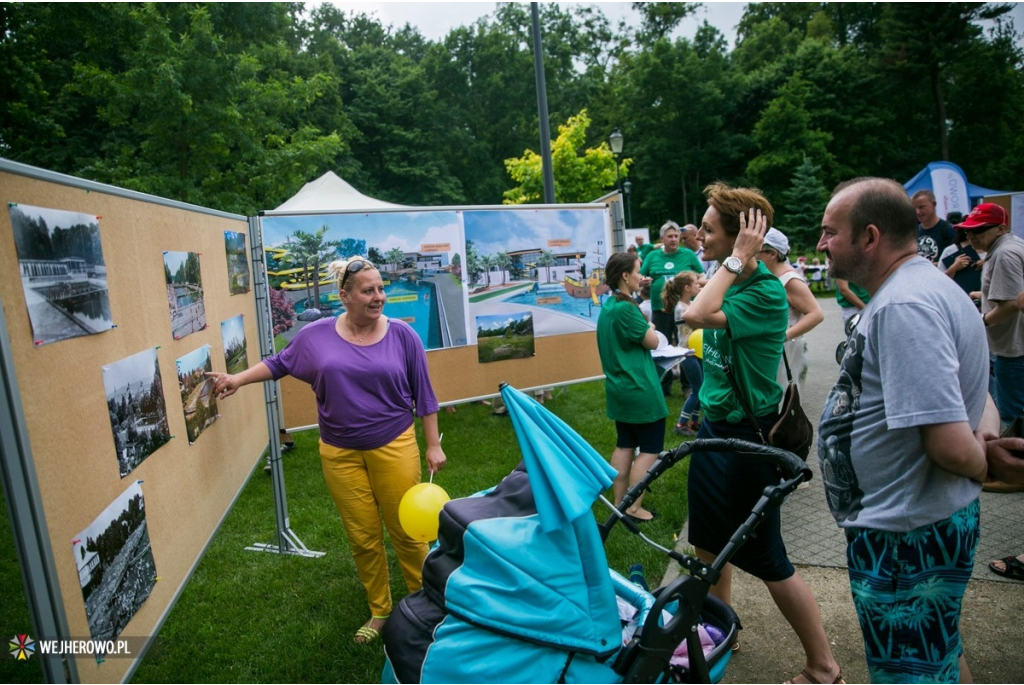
[993, 606]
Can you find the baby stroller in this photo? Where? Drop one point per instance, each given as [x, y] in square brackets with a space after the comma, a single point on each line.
[514, 592]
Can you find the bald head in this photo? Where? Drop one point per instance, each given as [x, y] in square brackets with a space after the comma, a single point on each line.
[688, 237]
[882, 202]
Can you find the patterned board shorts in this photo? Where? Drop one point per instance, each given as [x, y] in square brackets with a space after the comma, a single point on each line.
[908, 589]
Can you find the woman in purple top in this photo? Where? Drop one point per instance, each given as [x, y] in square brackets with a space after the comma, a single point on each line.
[370, 376]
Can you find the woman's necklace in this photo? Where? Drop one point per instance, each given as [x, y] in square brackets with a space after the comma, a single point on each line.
[353, 332]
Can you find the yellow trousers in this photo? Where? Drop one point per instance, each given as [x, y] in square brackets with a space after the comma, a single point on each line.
[367, 486]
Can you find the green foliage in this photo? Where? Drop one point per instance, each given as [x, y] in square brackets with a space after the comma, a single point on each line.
[804, 203]
[236, 105]
[786, 135]
[580, 174]
[680, 101]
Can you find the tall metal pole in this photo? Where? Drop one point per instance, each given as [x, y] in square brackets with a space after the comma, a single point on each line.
[542, 108]
[627, 187]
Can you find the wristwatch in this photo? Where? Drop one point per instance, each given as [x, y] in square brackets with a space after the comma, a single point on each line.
[734, 265]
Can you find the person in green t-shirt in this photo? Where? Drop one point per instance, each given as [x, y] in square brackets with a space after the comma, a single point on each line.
[851, 298]
[624, 341]
[659, 266]
[744, 313]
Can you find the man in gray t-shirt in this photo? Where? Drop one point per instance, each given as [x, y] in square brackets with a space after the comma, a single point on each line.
[901, 443]
[1002, 279]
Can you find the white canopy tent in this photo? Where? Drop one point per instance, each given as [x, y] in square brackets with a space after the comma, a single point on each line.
[331, 192]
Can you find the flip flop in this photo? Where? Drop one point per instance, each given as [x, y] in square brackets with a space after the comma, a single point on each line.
[635, 519]
[1014, 568]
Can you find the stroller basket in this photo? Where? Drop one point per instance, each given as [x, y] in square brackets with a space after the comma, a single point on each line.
[505, 600]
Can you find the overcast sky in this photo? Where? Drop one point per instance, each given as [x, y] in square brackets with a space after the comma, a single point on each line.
[435, 19]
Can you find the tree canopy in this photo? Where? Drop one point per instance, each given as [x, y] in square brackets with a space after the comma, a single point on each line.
[236, 105]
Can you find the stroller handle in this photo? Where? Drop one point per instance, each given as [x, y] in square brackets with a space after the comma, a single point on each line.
[790, 464]
[793, 469]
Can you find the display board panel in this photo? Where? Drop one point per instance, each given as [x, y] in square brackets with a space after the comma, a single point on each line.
[544, 264]
[72, 436]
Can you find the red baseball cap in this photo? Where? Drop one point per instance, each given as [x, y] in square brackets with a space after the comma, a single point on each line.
[984, 215]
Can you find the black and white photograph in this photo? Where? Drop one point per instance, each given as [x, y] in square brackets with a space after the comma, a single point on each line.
[238, 264]
[232, 332]
[62, 272]
[197, 399]
[138, 413]
[184, 293]
[115, 564]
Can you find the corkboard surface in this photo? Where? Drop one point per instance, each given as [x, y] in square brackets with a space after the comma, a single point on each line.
[187, 489]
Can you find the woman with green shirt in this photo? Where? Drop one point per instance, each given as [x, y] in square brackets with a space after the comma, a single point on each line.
[745, 313]
[632, 395]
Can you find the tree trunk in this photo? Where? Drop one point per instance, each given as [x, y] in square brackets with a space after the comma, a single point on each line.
[940, 111]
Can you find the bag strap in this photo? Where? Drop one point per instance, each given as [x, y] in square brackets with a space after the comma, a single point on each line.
[789, 374]
[743, 401]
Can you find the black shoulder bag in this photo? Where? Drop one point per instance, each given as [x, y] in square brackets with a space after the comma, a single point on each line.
[793, 431]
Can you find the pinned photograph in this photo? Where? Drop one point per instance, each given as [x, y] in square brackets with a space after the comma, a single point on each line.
[232, 332]
[63, 273]
[184, 293]
[197, 399]
[504, 336]
[238, 263]
[115, 564]
[138, 413]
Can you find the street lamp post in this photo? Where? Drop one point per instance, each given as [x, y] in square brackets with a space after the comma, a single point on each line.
[615, 141]
[627, 187]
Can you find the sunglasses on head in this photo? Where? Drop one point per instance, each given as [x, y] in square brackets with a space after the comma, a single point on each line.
[354, 268]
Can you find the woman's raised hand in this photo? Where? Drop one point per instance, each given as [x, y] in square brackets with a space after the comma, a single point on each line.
[751, 236]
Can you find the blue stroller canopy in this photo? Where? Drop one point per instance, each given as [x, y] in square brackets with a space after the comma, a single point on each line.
[505, 601]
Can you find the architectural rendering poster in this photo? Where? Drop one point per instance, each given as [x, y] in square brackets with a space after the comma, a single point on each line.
[419, 255]
[197, 398]
[115, 564]
[62, 272]
[504, 336]
[232, 332]
[184, 293]
[238, 262]
[549, 262]
[135, 402]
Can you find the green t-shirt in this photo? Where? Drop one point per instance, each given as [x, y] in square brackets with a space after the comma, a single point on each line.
[857, 290]
[657, 265]
[644, 250]
[631, 388]
[757, 313]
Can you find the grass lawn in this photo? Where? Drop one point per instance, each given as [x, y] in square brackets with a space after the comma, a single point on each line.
[257, 617]
[14, 618]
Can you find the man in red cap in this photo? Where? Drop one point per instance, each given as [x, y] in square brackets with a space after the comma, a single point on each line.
[1002, 280]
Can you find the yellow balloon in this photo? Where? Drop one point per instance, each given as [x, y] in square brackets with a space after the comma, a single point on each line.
[420, 509]
[696, 343]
